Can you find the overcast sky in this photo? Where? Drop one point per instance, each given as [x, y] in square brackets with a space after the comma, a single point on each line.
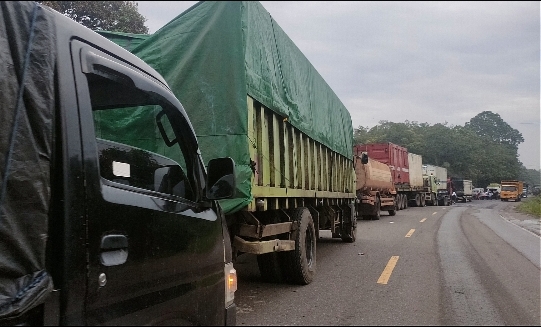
[425, 62]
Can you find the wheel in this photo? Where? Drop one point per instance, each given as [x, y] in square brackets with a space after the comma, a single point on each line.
[270, 267]
[434, 200]
[300, 264]
[405, 197]
[349, 233]
[423, 201]
[377, 213]
[392, 212]
[417, 200]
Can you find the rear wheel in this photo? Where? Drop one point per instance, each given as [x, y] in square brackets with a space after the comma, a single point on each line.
[300, 264]
[417, 200]
[377, 213]
[349, 231]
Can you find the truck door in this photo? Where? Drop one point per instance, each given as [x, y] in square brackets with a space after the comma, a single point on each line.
[155, 255]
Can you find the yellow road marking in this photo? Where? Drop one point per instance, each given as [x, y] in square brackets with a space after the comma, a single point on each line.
[410, 232]
[423, 220]
[386, 274]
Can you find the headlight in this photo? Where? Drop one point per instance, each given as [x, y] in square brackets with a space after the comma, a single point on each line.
[230, 284]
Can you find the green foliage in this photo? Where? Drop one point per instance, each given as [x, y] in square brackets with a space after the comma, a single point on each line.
[530, 176]
[484, 150]
[531, 205]
[114, 16]
[492, 127]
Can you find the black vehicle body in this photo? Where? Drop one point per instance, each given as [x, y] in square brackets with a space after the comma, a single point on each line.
[95, 230]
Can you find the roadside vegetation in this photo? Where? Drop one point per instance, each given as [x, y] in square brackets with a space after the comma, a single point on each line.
[484, 150]
[531, 205]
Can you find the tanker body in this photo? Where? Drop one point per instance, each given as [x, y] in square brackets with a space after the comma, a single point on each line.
[374, 186]
[406, 171]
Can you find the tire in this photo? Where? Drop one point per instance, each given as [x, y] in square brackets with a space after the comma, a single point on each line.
[349, 233]
[377, 213]
[392, 212]
[270, 267]
[423, 201]
[417, 200]
[405, 197]
[300, 264]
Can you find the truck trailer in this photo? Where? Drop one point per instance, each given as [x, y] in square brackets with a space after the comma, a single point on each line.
[253, 96]
[375, 188]
[511, 190]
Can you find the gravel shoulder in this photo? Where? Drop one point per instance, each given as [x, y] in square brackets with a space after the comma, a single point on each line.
[526, 221]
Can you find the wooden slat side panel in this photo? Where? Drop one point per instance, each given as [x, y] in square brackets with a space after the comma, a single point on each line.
[276, 140]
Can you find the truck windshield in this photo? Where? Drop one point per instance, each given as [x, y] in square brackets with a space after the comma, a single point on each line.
[509, 188]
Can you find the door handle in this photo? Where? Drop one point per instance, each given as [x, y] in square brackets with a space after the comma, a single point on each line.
[114, 250]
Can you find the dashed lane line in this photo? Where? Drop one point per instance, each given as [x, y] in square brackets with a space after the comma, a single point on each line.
[386, 274]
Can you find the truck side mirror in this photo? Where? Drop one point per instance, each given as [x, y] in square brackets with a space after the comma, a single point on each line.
[221, 180]
[364, 158]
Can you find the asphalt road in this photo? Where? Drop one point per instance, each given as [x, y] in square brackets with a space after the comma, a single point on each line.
[468, 264]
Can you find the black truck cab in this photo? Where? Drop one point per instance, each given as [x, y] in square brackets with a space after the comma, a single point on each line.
[108, 216]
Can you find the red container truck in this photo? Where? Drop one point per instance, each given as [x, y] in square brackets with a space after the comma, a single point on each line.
[412, 187]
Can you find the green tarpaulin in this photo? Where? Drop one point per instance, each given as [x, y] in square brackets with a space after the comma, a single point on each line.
[215, 54]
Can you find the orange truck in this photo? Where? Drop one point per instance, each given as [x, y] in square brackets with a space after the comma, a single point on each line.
[511, 190]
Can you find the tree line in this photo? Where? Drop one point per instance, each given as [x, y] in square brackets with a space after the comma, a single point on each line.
[484, 150]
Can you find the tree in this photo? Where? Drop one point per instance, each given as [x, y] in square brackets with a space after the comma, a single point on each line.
[491, 126]
[114, 16]
[475, 151]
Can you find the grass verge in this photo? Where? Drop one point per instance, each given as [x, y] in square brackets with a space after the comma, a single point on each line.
[531, 205]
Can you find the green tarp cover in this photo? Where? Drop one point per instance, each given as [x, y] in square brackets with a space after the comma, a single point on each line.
[215, 54]
[125, 40]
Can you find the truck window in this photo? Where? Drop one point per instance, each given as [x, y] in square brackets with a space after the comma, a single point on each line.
[137, 144]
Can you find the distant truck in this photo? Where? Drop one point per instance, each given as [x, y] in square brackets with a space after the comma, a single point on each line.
[253, 96]
[494, 188]
[436, 179]
[413, 186]
[511, 190]
[375, 188]
[463, 189]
